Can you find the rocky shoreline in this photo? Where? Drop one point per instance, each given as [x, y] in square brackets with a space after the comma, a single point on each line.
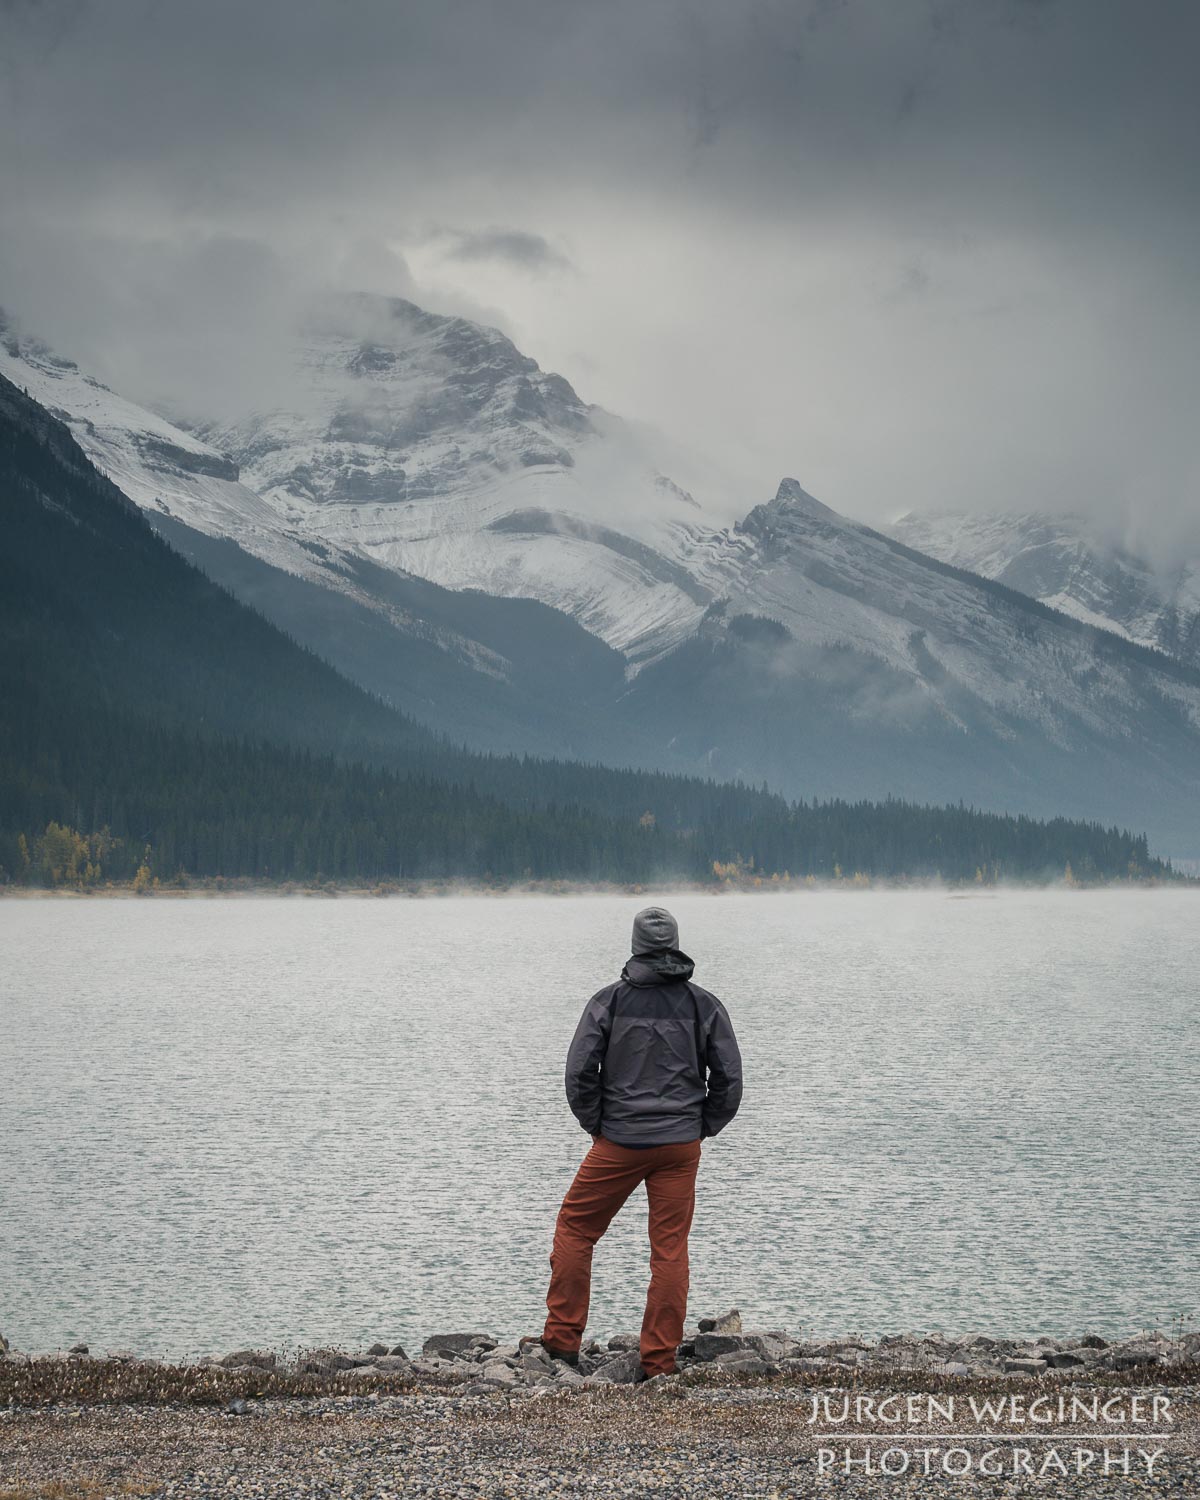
[467, 1415]
[482, 1364]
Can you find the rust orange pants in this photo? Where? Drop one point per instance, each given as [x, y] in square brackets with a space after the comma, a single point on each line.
[608, 1175]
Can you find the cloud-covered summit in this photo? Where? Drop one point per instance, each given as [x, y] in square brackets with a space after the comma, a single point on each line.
[921, 252]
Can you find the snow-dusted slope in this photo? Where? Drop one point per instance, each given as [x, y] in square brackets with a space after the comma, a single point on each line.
[962, 649]
[1068, 563]
[431, 445]
[837, 661]
[182, 481]
[156, 464]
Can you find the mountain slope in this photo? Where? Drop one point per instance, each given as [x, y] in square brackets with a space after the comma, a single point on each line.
[494, 673]
[842, 658]
[97, 605]
[139, 702]
[1069, 563]
[431, 445]
[434, 477]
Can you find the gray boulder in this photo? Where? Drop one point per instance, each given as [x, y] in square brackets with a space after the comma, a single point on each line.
[443, 1369]
[1066, 1359]
[776, 1345]
[623, 1369]
[1145, 1349]
[1130, 1359]
[746, 1363]
[259, 1359]
[398, 1349]
[709, 1345]
[769, 1346]
[534, 1360]
[454, 1345]
[324, 1361]
[392, 1364]
[726, 1322]
[954, 1367]
[624, 1342]
[1024, 1366]
[377, 1349]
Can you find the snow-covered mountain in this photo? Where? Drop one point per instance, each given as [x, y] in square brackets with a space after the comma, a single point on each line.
[845, 663]
[158, 465]
[431, 445]
[460, 532]
[1071, 564]
[498, 673]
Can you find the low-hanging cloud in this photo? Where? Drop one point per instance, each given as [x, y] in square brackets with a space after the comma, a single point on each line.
[919, 252]
[516, 247]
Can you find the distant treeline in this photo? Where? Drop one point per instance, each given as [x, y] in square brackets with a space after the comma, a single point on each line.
[104, 798]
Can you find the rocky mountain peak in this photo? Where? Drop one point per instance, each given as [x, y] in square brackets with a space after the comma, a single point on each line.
[795, 497]
[792, 511]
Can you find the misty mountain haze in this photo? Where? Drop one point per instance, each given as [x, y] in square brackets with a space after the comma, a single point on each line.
[1075, 565]
[927, 255]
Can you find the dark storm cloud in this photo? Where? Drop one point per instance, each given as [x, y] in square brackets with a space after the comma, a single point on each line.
[919, 251]
[529, 251]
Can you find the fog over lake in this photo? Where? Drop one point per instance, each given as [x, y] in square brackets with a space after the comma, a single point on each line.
[289, 1121]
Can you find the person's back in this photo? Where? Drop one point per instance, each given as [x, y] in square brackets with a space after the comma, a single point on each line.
[653, 1068]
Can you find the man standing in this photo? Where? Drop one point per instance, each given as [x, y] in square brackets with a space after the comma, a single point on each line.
[653, 1068]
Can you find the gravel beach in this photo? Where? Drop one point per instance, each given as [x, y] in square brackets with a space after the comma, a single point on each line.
[750, 1414]
[751, 1440]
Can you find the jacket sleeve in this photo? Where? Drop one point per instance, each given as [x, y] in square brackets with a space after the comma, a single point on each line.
[724, 1074]
[585, 1058]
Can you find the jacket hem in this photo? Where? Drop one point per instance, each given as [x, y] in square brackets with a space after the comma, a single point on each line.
[681, 1136]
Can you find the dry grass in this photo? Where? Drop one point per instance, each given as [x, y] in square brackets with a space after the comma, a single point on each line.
[56, 1382]
[77, 1489]
[95, 1382]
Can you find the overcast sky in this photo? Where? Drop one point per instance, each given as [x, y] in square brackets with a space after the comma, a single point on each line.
[916, 253]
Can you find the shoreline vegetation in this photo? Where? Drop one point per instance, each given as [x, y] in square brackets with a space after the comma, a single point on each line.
[249, 888]
[219, 887]
[894, 846]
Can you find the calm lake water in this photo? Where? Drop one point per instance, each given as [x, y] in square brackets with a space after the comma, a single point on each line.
[305, 1121]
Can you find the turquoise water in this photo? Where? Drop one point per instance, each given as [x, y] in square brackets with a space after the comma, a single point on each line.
[302, 1121]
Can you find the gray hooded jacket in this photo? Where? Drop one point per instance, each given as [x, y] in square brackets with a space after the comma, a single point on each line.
[654, 1060]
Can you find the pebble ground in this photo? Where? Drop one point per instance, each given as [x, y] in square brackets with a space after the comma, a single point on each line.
[695, 1444]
